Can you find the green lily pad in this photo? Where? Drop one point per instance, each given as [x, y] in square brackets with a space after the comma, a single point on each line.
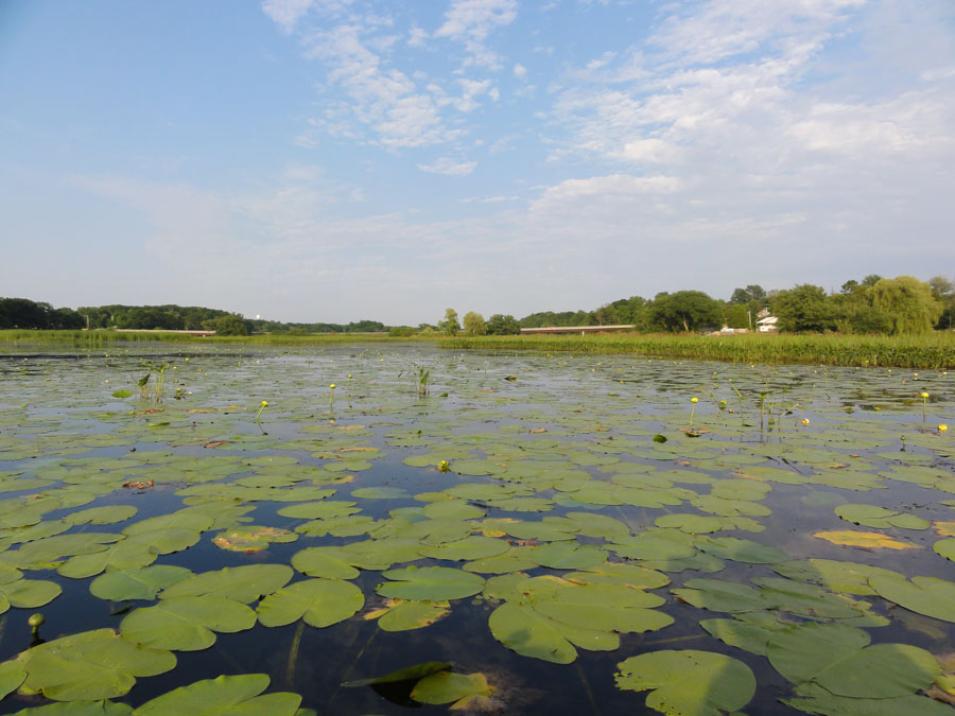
[223, 696]
[324, 562]
[880, 517]
[404, 615]
[186, 623]
[143, 583]
[90, 665]
[446, 687]
[430, 583]
[243, 584]
[688, 682]
[838, 658]
[520, 629]
[320, 602]
[408, 673]
[930, 596]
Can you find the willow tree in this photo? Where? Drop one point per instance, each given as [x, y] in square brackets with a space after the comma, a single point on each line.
[907, 304]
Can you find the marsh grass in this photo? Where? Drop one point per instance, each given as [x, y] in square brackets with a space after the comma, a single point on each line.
[934, 351]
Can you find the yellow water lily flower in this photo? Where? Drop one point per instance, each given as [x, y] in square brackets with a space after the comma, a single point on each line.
[943, 428]
[264, 404]
[805, 421]
[694, 400]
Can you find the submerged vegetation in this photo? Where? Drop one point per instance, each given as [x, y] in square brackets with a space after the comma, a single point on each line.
[696, 538]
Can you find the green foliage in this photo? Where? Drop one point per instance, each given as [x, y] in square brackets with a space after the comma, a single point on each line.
[231, 325]
[932, 351]
[24, 313]
[907, 303]
[685, 311]
[503, 325]
[804, 308]
[450, 326]
[474, 324]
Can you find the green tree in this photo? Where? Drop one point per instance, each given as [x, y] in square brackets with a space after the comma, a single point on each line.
[685, 311]
[230, 325]
[474, 324]
[804, 308]
[450, 325]
[754, 293]
[908, 303]
[503, 325]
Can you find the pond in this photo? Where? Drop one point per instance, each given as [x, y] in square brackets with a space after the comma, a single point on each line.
[488, 533]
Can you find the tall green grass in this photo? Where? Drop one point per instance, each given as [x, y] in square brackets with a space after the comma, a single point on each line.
[936, 350]
[100, 339]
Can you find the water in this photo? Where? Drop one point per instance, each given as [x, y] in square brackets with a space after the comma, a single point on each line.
[559, 421]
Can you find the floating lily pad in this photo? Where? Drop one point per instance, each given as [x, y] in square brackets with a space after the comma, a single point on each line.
[90, 665]
[430, 583]
[688, 682]
[243, 584]
[143, 583]
[186, 623]
[320, 602]
[223, 696]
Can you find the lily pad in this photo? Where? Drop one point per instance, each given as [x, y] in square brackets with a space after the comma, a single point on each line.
[320, 602]
[90, 665]
[186, 623]
[430, 583]
[223, 696]
[688, 682]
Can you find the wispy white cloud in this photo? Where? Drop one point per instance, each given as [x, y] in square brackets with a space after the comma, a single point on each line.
[448, 167]
[472, 21]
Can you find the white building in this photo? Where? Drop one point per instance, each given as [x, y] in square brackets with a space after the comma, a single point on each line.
[766, 323]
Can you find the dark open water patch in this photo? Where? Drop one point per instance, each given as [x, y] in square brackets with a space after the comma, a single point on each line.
[563, 534]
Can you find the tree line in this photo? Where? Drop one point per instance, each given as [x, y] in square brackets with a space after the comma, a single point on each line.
[891, 306]
[901, 305]
[24, 313]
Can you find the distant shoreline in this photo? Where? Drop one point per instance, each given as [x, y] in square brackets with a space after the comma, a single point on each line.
[932, 351]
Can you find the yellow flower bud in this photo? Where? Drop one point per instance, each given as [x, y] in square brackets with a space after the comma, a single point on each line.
[694, 400]
[943, 428]
[805, 421]
[923, 395]
[332, 386]
[264, 404]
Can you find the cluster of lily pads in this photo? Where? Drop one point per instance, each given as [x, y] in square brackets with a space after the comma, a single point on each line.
[567, 501]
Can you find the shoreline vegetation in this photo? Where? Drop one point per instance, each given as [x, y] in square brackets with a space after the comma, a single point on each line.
[930, 351]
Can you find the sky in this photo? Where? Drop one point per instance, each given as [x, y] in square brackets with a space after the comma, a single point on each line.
[337, 160]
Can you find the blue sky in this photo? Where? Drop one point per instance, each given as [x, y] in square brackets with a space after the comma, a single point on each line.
[344, 159]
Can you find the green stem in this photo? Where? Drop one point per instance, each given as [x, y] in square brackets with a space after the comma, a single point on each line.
[293, 655]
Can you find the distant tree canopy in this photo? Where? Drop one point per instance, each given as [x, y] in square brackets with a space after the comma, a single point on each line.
[873, 304]
[450, 326]
[685, 311]
[24, 313]
[474, 324]
[503, 325]
[803, 308]
[231, 325]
